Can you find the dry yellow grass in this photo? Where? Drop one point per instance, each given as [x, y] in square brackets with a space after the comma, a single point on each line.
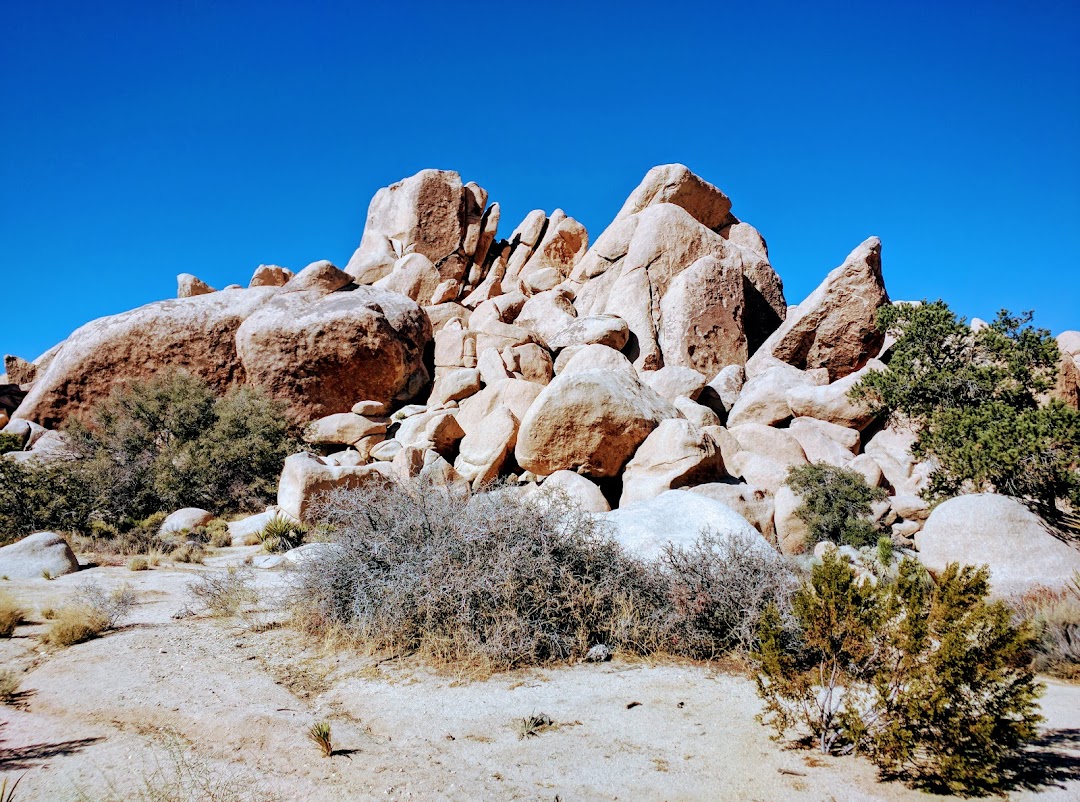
[11, 615]
[74, 624]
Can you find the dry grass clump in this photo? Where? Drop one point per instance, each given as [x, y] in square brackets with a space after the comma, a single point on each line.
[224, 593]
[9, 684]
[11, 614]
[189, 552]
[138, 564]
[92, 611]
[492, 579]
[1056, 617]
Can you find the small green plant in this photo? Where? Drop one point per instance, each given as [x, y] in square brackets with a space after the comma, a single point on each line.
[319, 734]
[282, 534]
[532, 725]
[10, 442]
[11, 614]
[930, 680]
[836, 504]
[218, 534]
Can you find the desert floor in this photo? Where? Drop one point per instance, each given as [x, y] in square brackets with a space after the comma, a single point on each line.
[220, 707]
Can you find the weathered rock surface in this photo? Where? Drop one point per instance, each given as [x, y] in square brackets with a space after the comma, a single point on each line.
[678, 517]
[676, 453]
[752, 503]
[38, 555]
[835, 327]
[591, 421]
[194, 334]
[579, 490]
[185, 519]
[304, 476]
[320, 353]
[1000, 532]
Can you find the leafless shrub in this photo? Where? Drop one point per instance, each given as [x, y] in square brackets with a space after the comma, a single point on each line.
[718, 589]
[224, 593]
[113, 606]
[494, 578]
[1056, 616]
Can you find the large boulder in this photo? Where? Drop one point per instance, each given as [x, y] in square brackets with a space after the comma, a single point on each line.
[577, 488]
[752, 503]
[891, 450]
[677, 517]
[832, 402]
[835, 327]
[590, 421]
[764, 398]
[322, 353]
[195, 334]
[986, 529]
[421, 214]
[184, 520]
[484, 450]
[675, 454]
[43, 554]
[305, 476]
[674, 183]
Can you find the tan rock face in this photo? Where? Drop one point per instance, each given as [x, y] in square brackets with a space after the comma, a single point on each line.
[321, 276]
[675, 454]
[19, 371]
[320, 353]
[188, 286]
[590, 421]
[195, 334]
[752, 503]
[674, 183]
[270, 276]
[424, 214]
[831, 402]
[835, 327]
[579, 489]
[484, 450]
[305, 476]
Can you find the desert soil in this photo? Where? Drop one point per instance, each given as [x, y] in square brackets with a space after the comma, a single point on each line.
[220, 707]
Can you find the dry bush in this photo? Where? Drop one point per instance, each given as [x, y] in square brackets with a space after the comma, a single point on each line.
[9, 684]
[11, 615]
[218, 532]
[74, 624]
[188, 553]
[493, 579]
[138, 564]
[718, 589]
[91, 611]
[1056, 618]
[224, 593]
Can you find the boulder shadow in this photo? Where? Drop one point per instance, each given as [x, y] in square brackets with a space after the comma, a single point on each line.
[27, 757]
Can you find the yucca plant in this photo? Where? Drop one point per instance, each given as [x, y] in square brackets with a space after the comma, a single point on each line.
[282, 534]
[320, 736]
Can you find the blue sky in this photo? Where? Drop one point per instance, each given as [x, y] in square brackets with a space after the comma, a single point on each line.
[141, 140]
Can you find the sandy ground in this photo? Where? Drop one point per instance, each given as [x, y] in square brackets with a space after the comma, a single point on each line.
[221, 706]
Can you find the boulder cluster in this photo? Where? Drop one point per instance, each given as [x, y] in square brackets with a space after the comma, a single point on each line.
[662, 357]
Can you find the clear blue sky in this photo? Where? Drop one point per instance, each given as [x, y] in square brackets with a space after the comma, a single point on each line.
[141, 140]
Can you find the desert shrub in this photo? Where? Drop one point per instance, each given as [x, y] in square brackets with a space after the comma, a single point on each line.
[494, 578]
[188, 552]
[930, 680]
[73, 624]
[10, 442]
[281, 534]
[218, 535]
[163, 444]
[11, 614]
[978, 402]
[1055, 615]
[224, 593]
[112, 605]
[320, 735]
[138, 564]
[717, 590]
[836, 504]
[9, 684]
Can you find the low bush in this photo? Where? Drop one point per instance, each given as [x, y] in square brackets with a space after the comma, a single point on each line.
[91, 611]
[224, 593]
[189, 552]
[931, 681]
[218, 534]
[10, 681]
[1055, 615]
[493, 579]
[138, 564]
[836, 504]
[506, 581]
[10, 442]
[719, 587]
[11, 614]
[163, 444]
